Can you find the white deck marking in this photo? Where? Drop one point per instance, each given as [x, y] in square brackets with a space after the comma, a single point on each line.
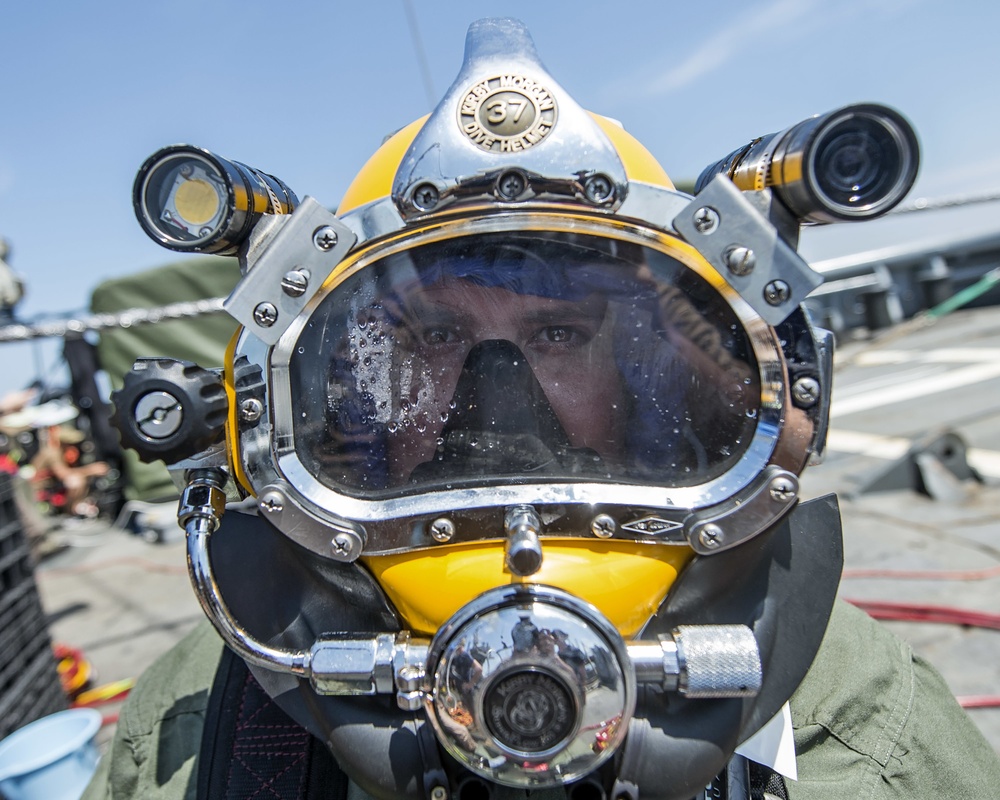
[985, 462]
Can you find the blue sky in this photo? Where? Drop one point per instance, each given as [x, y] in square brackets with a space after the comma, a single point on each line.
[307, 90]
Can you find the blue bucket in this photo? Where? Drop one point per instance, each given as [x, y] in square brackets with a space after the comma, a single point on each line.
[52, 758]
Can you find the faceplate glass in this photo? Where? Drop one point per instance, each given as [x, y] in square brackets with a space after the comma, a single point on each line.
[521, 357]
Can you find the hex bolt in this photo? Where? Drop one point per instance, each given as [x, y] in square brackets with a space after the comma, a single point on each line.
[782, 490]
[511, 185]
[598, 189]
[740, 260]
[408, 678]
[425, 197]
[342, 544]
[442, 529]
[776, 293]
[158, 415]
[603, 526]
[325, 238]
[711, 536]
[251, 409]
[265, 314]
[295, 282]
[706, 220]
[805, 392]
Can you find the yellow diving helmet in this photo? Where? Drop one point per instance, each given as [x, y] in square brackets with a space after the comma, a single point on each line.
[517, 434]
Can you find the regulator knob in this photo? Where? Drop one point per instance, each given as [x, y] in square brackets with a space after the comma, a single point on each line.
[169, 409]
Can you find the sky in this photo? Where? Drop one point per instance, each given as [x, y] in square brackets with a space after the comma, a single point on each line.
[306, 90]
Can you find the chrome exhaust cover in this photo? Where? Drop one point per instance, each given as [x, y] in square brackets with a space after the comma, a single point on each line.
[529, 686]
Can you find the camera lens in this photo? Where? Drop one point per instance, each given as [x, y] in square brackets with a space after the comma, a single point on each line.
[861, 164]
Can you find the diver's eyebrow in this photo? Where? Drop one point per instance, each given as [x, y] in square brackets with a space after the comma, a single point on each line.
[564, 314]
[424, 311]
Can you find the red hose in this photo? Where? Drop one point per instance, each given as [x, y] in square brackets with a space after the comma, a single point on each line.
[918, 612]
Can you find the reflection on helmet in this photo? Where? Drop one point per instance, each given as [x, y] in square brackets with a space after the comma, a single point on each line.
[504, 357]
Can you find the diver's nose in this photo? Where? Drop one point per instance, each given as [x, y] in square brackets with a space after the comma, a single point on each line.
[501, 422]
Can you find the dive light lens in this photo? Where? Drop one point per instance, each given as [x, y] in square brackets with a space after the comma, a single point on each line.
[190, 200]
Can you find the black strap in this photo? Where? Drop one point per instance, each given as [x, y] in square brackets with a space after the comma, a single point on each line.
[752, 782]
[766, 784]
[251, 748]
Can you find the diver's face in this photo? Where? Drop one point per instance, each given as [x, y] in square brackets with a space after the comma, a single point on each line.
[567, 344]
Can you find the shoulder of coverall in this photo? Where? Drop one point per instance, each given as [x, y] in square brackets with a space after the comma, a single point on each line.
[156, 744]
[874, 720]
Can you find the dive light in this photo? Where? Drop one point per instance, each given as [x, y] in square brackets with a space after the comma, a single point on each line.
[191, 200]
[850, 164]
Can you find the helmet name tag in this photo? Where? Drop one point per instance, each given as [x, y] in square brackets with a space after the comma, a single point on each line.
[507, 113]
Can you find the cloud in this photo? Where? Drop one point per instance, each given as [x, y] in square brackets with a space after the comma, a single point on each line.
[761, 26]
[742, 34]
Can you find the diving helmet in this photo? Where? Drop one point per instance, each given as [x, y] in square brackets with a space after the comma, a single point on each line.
[513, 439]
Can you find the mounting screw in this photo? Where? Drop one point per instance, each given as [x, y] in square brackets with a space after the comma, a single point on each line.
[711, 536]
[342, 544]
[265, 315]
[598, 189]
[296, 281]
[603, 526]
[777, 292]
[271, 503]
[442, 529]
[251, 409]
[511, 185]
[740, 260]
[158, 415]
[782, 490]
[439, 793]
[805, 392]
[425, 197]
[706, 220]
[325, 238]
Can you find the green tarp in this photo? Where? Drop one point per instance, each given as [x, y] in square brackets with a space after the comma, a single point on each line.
[202, 339]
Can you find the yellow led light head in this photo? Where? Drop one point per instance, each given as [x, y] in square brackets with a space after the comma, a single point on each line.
[191, 200]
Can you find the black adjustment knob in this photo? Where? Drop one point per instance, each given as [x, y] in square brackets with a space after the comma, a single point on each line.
[169, 410]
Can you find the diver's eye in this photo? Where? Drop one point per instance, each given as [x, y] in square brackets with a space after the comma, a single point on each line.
[440, 336]
[565, 335]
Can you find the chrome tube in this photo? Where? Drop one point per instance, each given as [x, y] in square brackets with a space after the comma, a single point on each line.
[198, 530]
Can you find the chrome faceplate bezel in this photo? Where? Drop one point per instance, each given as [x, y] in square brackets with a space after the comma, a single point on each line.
[267, 452]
